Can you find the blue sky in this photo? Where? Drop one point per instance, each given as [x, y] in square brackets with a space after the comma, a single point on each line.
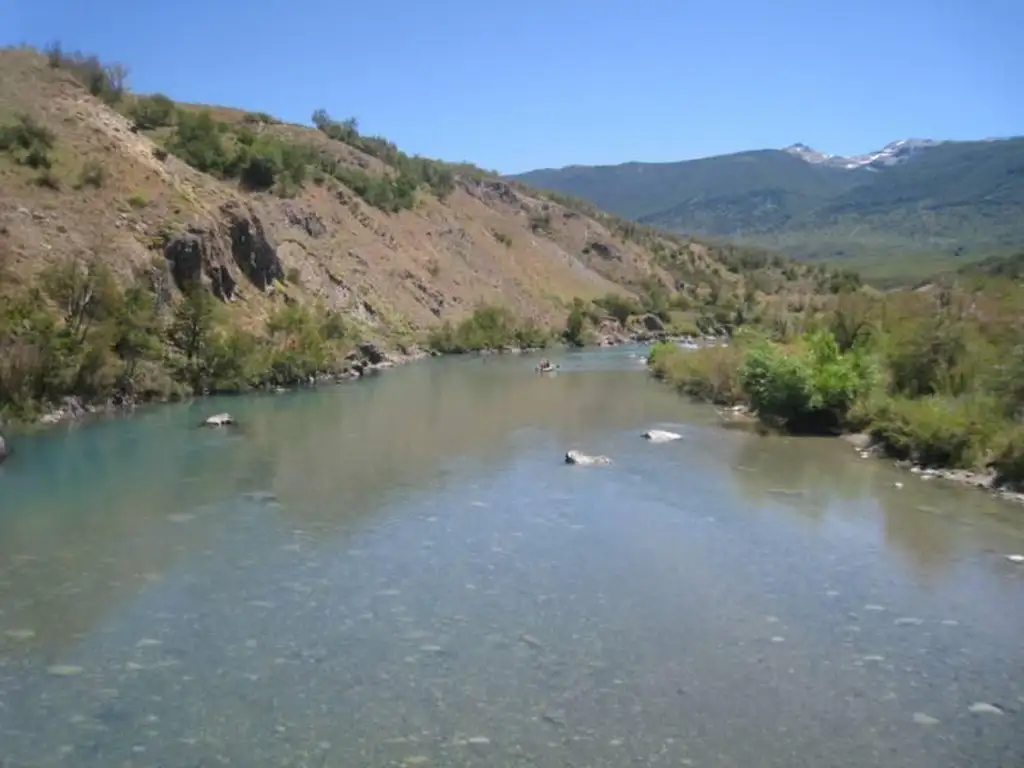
[532, 83]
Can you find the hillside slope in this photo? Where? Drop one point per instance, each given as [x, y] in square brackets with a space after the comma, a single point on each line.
[958, 199]
[272, 217]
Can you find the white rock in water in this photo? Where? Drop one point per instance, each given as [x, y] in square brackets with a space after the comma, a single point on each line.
[219, 420]
[661, 436]
[1015, 558]
[64, 670]
[984, 708]
[581, 459]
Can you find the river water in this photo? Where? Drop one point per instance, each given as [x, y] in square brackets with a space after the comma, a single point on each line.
[401, 571]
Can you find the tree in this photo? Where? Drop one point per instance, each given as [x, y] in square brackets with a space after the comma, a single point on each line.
[191, 330]
[136, 332]
[84, 292]
[152, 111]
[576, 323]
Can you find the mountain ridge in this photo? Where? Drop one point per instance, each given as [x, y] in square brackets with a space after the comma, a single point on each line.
[928, 198]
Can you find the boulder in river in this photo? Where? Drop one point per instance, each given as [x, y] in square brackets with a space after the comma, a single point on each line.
[219, 420]
[581, 459]
[3, 449]
[661, 436]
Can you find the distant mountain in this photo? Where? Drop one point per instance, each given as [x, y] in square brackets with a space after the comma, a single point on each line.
[950, 199]
[891, 154]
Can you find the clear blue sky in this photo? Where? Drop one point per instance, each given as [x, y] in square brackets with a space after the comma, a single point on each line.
[532, 83]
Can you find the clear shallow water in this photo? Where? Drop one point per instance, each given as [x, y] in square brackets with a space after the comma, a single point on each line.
[401, 571]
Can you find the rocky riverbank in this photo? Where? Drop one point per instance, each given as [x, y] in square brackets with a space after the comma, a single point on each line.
[868, 448]
[366, 359]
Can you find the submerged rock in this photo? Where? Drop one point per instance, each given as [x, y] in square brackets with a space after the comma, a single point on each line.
[4, 452]
[661, 436]
[581, 459]
[219, 420]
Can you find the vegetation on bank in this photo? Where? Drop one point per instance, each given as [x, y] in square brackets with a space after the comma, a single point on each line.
[490, 327]
[78, 332]
[935, 376]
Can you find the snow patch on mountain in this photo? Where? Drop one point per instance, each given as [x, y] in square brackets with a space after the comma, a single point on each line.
[893, 153]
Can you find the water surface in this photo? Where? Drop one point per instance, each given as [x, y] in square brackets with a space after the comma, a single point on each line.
[401, 571]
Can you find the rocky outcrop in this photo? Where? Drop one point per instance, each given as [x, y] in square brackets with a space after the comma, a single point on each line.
[653, 323]
[191, 256]
[185, 252]
[71, 409]
[308, 222]
[372, 353]
[252, 248]
[602, 250]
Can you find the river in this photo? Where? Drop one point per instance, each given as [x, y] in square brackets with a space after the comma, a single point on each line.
[401, 571]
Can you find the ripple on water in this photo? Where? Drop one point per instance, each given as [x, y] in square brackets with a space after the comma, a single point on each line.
[672, 611]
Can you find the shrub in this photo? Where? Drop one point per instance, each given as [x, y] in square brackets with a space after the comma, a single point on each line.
[489, 327]
[93, 174]
[105, 81]
[936, 430]
[153, 111]
[197, 141]
[28, 141]
[1008, 461]
[708, 373]
[619, 307]
[576, 325]
[807, 390]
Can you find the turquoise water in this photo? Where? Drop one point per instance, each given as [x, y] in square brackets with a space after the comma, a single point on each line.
[402, 571]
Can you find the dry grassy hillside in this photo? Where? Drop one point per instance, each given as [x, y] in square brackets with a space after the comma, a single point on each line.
[113, 190]
[304, 243]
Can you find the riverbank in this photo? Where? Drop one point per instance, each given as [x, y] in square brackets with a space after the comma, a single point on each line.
[812, 388]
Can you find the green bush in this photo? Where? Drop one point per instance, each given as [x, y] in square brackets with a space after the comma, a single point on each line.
[619, 307]
[936, 430]
[1008, 461]
[575, 333]
[29, 142]
[810, 389]
[153, 111]
[707, 373]
[489, 327]
[197, 141]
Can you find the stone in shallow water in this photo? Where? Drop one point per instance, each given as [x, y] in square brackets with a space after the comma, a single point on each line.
[922, 719]
[64, 670]
[983, 708]
[180, 517]
[20, 634]
[480, 741]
